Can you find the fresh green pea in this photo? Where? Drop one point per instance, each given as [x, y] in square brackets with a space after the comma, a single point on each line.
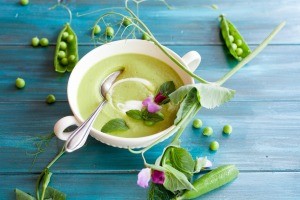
[71, 58]
[231, 38]
[65, 35]
[50, 99]
[67, 43]
[239, 51]
[126, 21]
[239, 43]
[24, 2]
[70, 38]
[109, 31]
[20, 83]
[35, 42]
[231, 34]
[64, 61]
[145, 37]
[44, 42]
[197, 123]
[214, 146]
[61, 54]
[211, 181]
[227, 129]
[96, 29]
[208, 131]
[63, 45]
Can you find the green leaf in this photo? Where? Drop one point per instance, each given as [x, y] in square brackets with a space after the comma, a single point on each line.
[135, 114]
[152, 117]
[158, 192]
[115, 125]
[20, 195]
[54, 194]
[212, 95]
[176, 180]
[167, 88]
[178, 95]
[191, 101]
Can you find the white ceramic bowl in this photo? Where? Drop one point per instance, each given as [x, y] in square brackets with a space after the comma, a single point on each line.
[191, 60]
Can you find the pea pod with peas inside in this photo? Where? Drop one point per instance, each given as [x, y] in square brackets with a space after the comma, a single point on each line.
[234, 40]
[66, 52]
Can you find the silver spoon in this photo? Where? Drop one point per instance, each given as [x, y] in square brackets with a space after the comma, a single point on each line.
[78, 138]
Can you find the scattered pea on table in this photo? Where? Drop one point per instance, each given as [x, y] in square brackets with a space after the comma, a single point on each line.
[24, 2]
[35, 41]
[109, 31]
[145, 37]
[50, 99]
[207, 131]
[44, 42]
[214, 146]
[227, 129]
[126, 22]
[96, 29]
[20, 83]
[197, 123]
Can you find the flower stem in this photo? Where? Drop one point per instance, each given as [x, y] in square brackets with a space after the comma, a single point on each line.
[252, 55]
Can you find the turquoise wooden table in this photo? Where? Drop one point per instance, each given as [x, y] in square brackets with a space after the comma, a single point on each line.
[265, 112]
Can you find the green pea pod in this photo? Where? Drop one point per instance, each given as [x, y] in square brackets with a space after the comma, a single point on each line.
[234, 40]
[66, 52]
[210, 181]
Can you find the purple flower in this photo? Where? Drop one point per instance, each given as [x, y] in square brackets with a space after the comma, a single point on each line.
[152, 107]
[144, 177]
[158, 177]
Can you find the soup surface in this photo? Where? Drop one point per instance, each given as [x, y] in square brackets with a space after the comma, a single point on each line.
[141, 78]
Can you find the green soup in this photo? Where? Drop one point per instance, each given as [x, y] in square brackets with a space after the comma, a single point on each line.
[140, 79]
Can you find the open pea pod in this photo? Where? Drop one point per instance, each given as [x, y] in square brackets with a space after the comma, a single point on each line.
[234, 40]
[66, 52]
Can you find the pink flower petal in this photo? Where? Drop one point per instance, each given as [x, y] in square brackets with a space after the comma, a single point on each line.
[153, 107]
[158, 177]
[147, 101]
[144, 177]
[208, 164]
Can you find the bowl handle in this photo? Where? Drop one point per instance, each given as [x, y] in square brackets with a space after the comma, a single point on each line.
[192, 59]
[62, 124]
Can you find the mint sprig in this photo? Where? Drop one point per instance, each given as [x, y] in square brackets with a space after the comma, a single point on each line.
[114, 125]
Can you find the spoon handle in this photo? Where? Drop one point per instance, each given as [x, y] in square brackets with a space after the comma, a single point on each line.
[78, 138]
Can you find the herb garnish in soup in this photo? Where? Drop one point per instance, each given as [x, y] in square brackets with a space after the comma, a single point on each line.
[141, 88]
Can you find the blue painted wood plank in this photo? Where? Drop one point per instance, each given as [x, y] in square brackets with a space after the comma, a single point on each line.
[193, 23]
[265, 137]
[248, 186]
[265, 78]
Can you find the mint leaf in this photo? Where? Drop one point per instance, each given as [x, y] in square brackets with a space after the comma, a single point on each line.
[158, 192]
[20, 195]
[212, 95]
[54, 194]
[191, 101]
[152, 117]
[167, 88]
[115, 125]
[176, 180]
[135, 114]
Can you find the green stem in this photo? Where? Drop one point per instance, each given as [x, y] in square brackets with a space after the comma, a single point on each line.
[252, 55]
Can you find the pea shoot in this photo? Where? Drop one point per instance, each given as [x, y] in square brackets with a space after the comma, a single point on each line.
[50, 99]
[35, 41]
[197, 123]
[20, 83]
[96, 29]
[214, 146]
[109, 31]
[44, 42]
[227, 129]
[24, 2]
[207, 131]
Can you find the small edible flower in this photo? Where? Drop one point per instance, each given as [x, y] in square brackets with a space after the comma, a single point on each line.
[158, 177]
[152, 107]
[144, 177]
[208, 163]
